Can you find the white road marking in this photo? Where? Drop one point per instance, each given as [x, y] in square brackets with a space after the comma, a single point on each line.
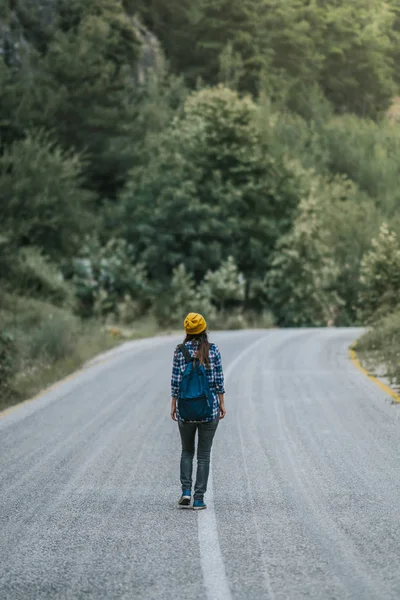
[212, 563]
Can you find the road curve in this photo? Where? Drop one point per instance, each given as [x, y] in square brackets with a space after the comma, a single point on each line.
[304, 500]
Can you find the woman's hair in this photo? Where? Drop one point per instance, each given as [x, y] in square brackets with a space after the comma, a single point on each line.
[203, 351]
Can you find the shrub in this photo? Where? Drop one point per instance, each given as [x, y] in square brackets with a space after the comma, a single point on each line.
[40, 330]
[233, 320]
[106, 275]
[35, 275]
[22, 314]
[181, 298]
[381, 345]
[260, 320]
[380, 276]
[225, 286]
[8, 359]
[54, 339]
[129, 310]
[238, 318]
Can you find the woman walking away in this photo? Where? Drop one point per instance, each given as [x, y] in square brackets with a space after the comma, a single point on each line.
[198, 404]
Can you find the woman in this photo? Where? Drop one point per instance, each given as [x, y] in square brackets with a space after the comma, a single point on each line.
[208, 355]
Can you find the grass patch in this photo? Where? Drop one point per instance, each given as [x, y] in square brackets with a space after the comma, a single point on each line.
[43, 343]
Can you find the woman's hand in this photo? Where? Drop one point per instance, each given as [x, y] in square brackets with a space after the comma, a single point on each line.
[222, 410]
[173, 410]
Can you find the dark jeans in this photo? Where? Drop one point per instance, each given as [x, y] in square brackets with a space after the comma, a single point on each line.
[206, 432]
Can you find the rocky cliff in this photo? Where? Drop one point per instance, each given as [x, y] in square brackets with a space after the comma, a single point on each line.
[27, 23]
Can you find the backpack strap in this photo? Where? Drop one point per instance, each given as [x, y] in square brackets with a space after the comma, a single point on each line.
[185, 352]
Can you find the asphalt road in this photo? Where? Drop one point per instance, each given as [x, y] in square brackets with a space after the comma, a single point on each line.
[304, 500]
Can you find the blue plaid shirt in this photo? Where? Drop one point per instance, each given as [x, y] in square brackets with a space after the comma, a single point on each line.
[214, 372]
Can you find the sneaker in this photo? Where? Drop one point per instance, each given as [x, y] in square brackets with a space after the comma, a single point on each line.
[199, 505]
[184, 500]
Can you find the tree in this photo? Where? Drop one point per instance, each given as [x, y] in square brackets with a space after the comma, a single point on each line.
[347, 48]
[231, 67]
[183, 297]
[77, 77]
[86, 86]
[344, 47]
[212, 190]
[91, 74]
[226, 286]
[42, 201]
[357, 72]
[380, 276]
[348, 219]
[195, 34]
[14, 93]
[302, 280]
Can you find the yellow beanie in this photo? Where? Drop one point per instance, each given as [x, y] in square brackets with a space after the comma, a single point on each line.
[195, 324]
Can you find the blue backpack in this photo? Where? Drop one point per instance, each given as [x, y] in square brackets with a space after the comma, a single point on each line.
[195, 400]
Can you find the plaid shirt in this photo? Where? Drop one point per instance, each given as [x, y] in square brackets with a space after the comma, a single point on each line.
[214, 372]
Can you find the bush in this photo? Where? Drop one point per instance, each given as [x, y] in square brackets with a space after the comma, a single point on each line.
[381, 345]
[54, 339]
[236, 319]
[8, 359]
[40, 331]
[380, 276]
[225, 286]
[107, 276]
[34, 275]
[23, 314]
[260, 320]
[129, 310]
[44, 343]
[233, 320]
[182, 297]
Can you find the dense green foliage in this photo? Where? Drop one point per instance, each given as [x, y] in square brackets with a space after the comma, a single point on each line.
[234, 158]
[301, 281]
[43, 202]
[107, 279]
[346, 48]
[210, 190]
